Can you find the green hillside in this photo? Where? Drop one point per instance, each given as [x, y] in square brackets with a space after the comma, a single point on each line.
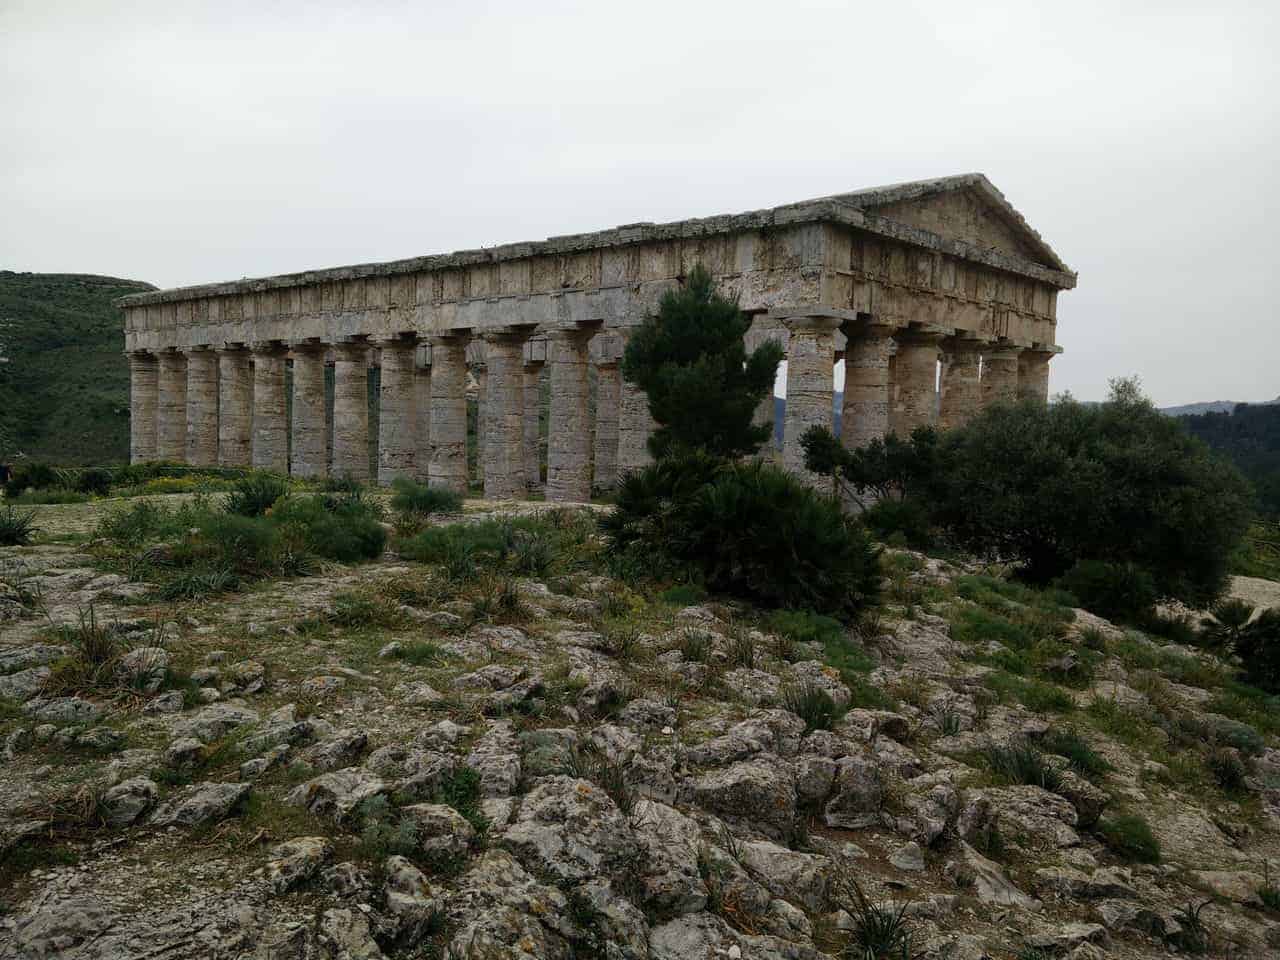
[64, 381]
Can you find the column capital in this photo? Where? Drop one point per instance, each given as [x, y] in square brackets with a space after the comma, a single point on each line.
[569, 334]
[268, 348]
[920, 335]
[507, 335]
[231, 347]
[140, 356]
[607, 363]
[449, 338]
[812, 323]
[394, 340]
[1003, 351]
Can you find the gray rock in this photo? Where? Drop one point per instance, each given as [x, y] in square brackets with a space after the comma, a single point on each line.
[410, 907]
[25, 657]
[143, 668]
[1069, 936]
[126, 802]
[496, 757]
[335, 795]
[200, 804]
[909, 857]
[442, 831]
[859, 794]
[24, 684]
[987, 880]
[757, 792]
[343, 749]
[346, 935]
[184, 753]
[56, 926]
[572, 830]
[214, 722]
[296, 861]
[766, 731]
[671, 883]
[172, 701]
[803, 877]
[499, 910]
[64, 710]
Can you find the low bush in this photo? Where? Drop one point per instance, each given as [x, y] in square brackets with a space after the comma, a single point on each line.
[813, 705]
[17, 527]
[94, 480]
[340, 527]
[410, 497]
[906, 521]
[1258, 647]
[31, 476]
[1121, 592]
[254, 495]
[1129, 837]
[1084, 760]
[746, 529]
[1021, 763]
[683, 594]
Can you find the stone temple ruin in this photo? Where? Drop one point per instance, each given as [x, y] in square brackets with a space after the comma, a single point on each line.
[936, 294]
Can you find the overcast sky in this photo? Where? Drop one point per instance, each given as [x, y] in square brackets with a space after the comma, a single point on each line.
[179, 143]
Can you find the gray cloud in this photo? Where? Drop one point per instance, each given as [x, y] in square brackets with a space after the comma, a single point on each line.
[186, 142]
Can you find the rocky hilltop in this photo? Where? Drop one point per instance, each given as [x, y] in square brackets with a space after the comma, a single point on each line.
[368, 762]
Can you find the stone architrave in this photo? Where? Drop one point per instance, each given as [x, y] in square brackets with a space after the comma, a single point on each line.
[202, 408]
[270, 426]
[532, 377]
[916, 389]
[351, 410]
[171, 407]
[999, 375]
[810, 387]
[397, 429]
[448, 469]
[961, 395]
[503, 406]
[865, 412]
[143, 390]
[1033, 375]
[422, 416]
[235, 407]
[569, 431]
[309, 455]
[608, 391]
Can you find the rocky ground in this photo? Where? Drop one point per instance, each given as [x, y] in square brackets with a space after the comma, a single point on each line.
[348, 765]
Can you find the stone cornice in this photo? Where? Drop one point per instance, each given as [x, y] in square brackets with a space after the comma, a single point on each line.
[829, 210]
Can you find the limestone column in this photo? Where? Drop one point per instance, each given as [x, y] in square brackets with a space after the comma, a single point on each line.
[568, 432]
[481, 372]
[961, 395]
[309, 456]
[448, 468]
[422, 413]
[235, 407]
[1033, 375]
[532, 377]
[171, 407]
[635, 424]
[351, 411]
[916, 370]
[143, 388]
[865, 414]
[397, 440]
[999, 375]
[608, 389]
[766, 411]
[503, 405]
[202, 407]
[810, 387]
[270, 426]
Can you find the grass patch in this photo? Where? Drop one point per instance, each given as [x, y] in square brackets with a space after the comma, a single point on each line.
[1034, 695]
[813, 705]
[1129, 837]
[1084, 760]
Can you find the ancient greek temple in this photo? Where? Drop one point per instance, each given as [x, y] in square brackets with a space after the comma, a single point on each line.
[936, 296]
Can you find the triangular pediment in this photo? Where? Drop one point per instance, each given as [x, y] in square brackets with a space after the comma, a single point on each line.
[967, 208]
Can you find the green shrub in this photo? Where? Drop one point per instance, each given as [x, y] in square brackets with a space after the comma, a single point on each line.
[255, 494]
[247, 545]
[813, 705]
[94, 480]
[749, 530]
[196, 583]
[683, 594]
[410, 497]
[1123, 592]
[1021, 763]
[342, 527]
[1129, 837]
[1084, 760]
[1227, 769]
[1258, 647]
[421, 653]
[16, 527]
[31, 476]
[906, 520]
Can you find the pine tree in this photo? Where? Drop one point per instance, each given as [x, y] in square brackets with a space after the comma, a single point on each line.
[702, 387]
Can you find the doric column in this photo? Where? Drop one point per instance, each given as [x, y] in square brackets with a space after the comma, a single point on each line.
[270, 426]
[481, 372]
[143, 387]
[865, 414]
[171, 407]
[810, 387]
[503, 406]
[635, 426]
[397, 432]
[608, 390]
[1033, 375]
[309, 456]
[532, 377]
[960, 398]
[202, 407]
[235, 407]
[916, 370]
[1000, 375]
[351, 411]
[422, 414]
[568, 431]
[448, 468]
[766, 410]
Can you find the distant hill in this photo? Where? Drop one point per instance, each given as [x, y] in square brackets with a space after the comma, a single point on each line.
[1212, 406]
[64, 380]
[1249, 435]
